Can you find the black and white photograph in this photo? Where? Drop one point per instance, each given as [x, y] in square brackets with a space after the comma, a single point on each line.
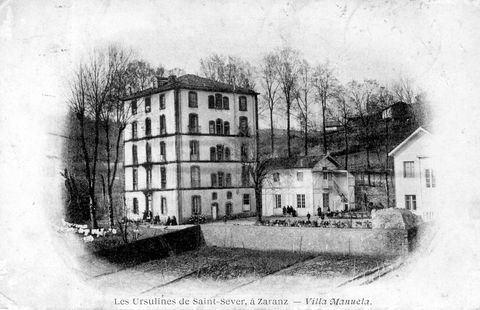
[239, 154]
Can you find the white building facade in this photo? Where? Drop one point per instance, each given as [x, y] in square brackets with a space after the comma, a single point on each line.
[307, 184]
[414, 171]
[185, 147]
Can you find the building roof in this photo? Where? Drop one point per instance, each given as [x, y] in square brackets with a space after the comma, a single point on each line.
[300, 161]
[419, 131]
[194, 82]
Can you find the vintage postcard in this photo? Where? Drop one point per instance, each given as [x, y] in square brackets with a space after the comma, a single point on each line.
[239, 154]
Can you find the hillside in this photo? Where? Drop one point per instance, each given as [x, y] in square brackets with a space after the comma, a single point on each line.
[357, 151]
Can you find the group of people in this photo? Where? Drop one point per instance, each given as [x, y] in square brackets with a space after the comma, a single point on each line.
[289, 210]
[148, 217]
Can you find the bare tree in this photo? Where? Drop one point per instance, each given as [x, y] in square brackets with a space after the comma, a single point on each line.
[324, 82]
[115, 117]
[368, 99]
[141, 75]
[228, 69]
[304, 101]
[255, 167]
[287, 67]
[270, 86]
[89, 92]
[341, 110]
[404, 91]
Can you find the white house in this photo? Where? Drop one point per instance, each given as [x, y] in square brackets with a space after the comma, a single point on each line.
[185, 149]
[306, 184]
[414, 172]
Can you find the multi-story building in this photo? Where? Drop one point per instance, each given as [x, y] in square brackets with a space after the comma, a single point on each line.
[414, 167]
[187, 147]
[307, 184]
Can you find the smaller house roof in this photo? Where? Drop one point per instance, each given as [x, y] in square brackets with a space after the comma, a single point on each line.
[301, 161]
[419, 131]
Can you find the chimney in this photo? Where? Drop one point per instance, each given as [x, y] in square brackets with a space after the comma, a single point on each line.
[172, 78]
[161, 80]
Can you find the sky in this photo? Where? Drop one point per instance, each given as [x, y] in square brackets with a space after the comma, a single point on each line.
[435, 43]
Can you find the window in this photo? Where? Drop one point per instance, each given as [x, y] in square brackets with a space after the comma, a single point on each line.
[226, 128]
[163, 205]
[246, 199]
[276, 177]
[213, 179]
[411, 202]
[218, 101]
[193, 123]
[135, 206]
[196, 205]
[148, 171]
[192, 99]
[148, 127]
[327, 175]
[219, 126]
[194, 150]
[408, 169]
[135, 178]
[300, 201]
[134, 154]
[228, 209]
[220, 179]
[244, 152]
[227, 153]
[243, 128]
[245, 177]
[219, 152]
[163, 177]
[242, 100]
[134, 109]
[278, 201]
[226, 104]
[429, 178]
[229, 195]
[228, 180]
[211, 127]
[195, 176]
[147, 104]
[213, 153]
[162, 102]
[163, 125]
[162, 151]
[148, 151]
[211, 102]
[300, 176]
[214, 196]
[134, 130]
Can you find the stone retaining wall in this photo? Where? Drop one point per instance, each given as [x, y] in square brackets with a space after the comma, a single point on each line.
[388, 242]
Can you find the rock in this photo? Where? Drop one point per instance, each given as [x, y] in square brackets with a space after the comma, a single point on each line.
[393, 218]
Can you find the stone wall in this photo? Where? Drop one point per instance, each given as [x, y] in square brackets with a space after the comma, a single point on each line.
[388, 242]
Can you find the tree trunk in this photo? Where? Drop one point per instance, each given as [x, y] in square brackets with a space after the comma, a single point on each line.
[109, 173]
[258, 202]
[288, 128]
[346, 148]
[271, 131]
[305, 137]
[368, 167]
[324, 103]
[88, 175]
